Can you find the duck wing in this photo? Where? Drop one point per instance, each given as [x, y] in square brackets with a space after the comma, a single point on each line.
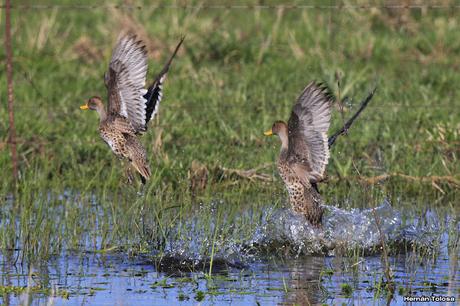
[155, 91]
[125, 81]
[350, 121]
[308, 151]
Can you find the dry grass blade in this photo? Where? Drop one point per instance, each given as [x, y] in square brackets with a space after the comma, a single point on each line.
[434, 180]
[198, 177]
[86, 50]
[250, 174]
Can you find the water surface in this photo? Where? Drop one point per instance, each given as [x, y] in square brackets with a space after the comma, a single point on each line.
[286, 262]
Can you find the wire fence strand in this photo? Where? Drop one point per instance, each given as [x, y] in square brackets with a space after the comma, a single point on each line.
[234, 6]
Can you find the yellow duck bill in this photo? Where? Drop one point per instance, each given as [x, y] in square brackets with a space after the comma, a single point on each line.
[268, 133]
[84, 107]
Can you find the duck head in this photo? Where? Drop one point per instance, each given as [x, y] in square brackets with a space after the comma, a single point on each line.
[279, 128]
[95, 103]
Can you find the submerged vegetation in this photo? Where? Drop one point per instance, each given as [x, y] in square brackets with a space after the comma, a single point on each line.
[213, 172]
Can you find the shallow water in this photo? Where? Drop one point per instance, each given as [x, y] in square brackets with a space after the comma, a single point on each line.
[286, 261]
[283, 232]
[101, 280]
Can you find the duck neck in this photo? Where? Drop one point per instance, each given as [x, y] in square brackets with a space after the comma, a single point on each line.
[102, 112]
[284, 143]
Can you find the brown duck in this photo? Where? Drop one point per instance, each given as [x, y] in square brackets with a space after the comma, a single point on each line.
[304, 150]
[130, 105]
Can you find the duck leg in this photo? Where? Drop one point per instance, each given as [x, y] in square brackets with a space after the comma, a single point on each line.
[129, 173]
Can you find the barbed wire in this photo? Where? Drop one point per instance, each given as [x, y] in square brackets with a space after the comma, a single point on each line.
[233, 6]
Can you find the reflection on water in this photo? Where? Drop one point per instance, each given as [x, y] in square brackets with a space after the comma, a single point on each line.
[304, 283]
[105, 280]
[286, 262]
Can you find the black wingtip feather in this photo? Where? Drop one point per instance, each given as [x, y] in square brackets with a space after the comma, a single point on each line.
[350, 121]
[326, 90]
[154, 90]
[152, 99]
[168, 63]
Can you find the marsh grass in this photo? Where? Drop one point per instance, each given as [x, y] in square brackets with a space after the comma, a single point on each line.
[239, 71]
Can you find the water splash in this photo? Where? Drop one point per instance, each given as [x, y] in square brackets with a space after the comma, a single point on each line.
[282, 232]
[342, 230]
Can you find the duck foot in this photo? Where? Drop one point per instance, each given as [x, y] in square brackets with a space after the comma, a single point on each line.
[129, 176]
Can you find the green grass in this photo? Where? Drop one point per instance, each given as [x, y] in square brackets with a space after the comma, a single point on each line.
[238, 71]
